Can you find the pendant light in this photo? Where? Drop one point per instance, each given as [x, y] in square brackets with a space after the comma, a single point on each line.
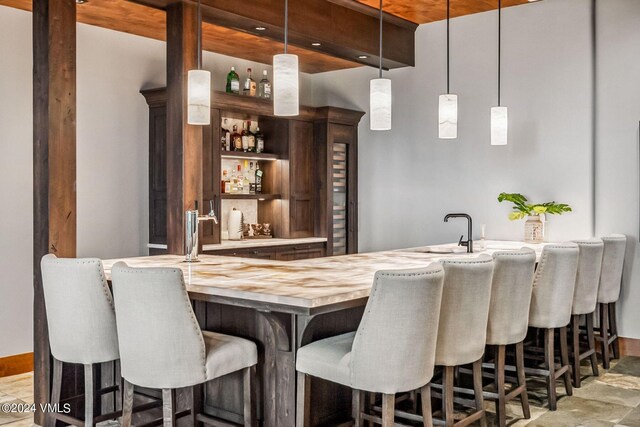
[285, 77]
[380, 95]
[448, 103]
[199, 87]
[499, 114]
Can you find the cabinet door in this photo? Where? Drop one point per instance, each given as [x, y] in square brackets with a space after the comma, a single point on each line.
[301, 170]
[158, 175]
[344, 187]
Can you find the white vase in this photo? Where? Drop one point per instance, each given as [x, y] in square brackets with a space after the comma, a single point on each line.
[534, 229]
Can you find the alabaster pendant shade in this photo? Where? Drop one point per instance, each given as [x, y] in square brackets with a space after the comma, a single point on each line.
[499, 125]
[448, 116]
[285, 85]
[380, 104]
[199, 97]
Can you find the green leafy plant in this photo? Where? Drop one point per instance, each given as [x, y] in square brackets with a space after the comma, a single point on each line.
[522, 208]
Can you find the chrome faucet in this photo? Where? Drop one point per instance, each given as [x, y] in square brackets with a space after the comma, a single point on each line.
[192, 220]
[469, 242]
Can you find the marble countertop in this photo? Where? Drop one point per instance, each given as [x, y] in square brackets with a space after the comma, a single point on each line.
[305, 284]
[258, 243]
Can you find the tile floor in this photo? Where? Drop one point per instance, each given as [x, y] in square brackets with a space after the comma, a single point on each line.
[613, 399]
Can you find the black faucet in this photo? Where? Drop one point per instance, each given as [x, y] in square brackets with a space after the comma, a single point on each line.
[468, 243]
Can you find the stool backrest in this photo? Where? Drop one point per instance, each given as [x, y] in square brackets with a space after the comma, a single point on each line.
[585, 295]
[80, 316]
[510, 296]
[161, 344]
[465, 310]
[612, 265]
[553, 286]
[394, 348]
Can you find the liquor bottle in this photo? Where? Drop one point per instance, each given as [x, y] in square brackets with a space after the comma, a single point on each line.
[237, 139]
[225, 184]
[259, 141]
[239, 179]
[264, 88]
[233, 183]
[246, 184]
[233, 81]
[259, 176]
[225, 139]
[252, 138]
[252, 179]
[249, 85]
[245, 137]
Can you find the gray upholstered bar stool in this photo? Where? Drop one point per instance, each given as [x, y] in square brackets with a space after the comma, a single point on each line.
[584, 304]
[162, 346]
[508, 321]
[615, 247]
[82, 329]
[392, 351]
[551, 303]
[463, 330]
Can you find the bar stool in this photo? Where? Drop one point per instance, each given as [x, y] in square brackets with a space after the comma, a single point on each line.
[392, 351]
[551, 303]
[615, 246]
[584, 304]
[82, 330]
[508, 321]
[463, 330]
[162, 346]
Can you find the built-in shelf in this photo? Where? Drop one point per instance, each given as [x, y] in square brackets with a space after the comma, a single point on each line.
[248, 156]
[249, 196]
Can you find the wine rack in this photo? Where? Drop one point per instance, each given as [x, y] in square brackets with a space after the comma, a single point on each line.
[340, 205]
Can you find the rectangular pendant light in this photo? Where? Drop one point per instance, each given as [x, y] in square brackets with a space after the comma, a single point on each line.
[199, 97]
[499, 125]
[448, 116]
[285, 85]
[380, 104]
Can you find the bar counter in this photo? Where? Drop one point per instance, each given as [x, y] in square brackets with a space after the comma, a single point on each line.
[283, 305]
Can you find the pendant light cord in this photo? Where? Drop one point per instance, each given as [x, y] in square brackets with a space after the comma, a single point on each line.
[199, 35]
[499, 46]
[380, 66]
[286, 24]
[448, 17]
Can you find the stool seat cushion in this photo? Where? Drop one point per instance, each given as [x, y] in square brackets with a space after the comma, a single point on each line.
[227, 354]
[329, 359]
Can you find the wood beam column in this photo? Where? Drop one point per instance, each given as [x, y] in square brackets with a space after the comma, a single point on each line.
[54, 160]
[184, 142]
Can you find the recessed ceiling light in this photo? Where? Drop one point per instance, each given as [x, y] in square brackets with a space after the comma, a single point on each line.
[316, 44]
[82, 1]
[362, 56]
[261, 28]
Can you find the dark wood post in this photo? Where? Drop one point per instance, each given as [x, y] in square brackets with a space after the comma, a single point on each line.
[184, 142]
[54, 160]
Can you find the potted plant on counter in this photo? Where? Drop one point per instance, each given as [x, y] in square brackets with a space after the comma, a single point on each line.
[534, 227]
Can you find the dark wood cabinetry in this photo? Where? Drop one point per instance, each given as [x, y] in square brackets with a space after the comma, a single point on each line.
[310, 185]
[281, 253]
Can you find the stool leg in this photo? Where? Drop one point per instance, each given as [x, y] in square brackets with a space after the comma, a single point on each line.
[564, 358]
[613, 323]
[127, 403]
[575, 347]
[357, 406]
[88, 395]
[196, 403]
[249, 407]
[522, 380]
[388, 409]
[592, 344]
[303, 401]
[169, 407]
[371, 399]
[477, 389]
[500, 385]
[550, 366]
[425, 395]
[604, 334]
[447, 395]
[56, 385]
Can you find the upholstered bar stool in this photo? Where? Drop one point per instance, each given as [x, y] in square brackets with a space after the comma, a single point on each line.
[584, 304]
[463, 330]
[82, 329]
[615, 246]
[392, 351]
[508, 321]
[551, 303]
[162, 346]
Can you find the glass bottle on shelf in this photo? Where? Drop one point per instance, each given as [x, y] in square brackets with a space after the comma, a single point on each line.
[251, 174]
[252, 138]
[237, 139]
[245, 137]
[259, 141]
[225, 138]
[233, 81]
[239, 179]
[259, 176]
[264, 87]
[246, 184]
[225, 183]
[249, 85]
[233, 184]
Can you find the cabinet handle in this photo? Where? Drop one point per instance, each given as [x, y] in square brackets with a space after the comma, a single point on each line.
[255, 252]
[300, 248]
